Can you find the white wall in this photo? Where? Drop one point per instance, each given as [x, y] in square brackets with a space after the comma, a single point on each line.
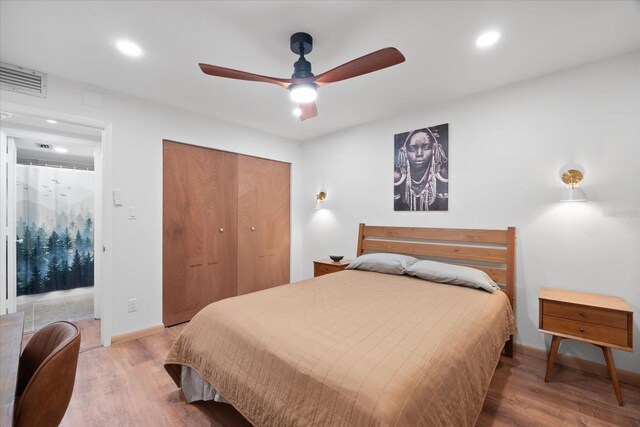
[137, 130]
[506, 148]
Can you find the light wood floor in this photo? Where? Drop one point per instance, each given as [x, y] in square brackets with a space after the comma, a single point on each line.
[126, 385]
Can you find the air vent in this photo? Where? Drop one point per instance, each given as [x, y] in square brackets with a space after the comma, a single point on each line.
[45, 146]
[23, 80]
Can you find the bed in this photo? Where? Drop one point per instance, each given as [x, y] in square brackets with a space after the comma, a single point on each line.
[359, 348]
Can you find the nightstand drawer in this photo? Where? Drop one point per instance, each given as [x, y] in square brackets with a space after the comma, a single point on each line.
[321, 269]
[589, 331]
[326, 266]
[582, 313]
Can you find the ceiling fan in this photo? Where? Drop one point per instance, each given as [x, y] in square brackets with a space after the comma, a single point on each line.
[303, 84]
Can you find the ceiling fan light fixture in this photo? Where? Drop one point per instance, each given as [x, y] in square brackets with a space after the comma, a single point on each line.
[303, 93]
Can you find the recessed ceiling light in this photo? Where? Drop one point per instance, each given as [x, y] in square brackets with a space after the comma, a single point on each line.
[297, 112]
[61, 149]
[53, 122]
[487, 39]
[129, 48]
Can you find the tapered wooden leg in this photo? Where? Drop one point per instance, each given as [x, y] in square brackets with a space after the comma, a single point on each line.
[553, 351]
[611, 366]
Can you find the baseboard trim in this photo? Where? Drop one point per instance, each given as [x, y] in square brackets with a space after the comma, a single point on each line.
[626, 377]
[116, 339]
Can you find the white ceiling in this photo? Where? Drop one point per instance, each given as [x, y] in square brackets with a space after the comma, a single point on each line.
[60, 128]
[75, 40]
[28, 132]
[77, 154]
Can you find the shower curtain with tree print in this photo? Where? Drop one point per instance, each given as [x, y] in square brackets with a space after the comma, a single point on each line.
[55, 212]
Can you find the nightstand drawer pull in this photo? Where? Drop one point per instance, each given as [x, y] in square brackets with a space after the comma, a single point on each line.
[582, 330]
[581, 313]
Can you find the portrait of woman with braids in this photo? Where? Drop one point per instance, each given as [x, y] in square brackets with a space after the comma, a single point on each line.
[421, 180]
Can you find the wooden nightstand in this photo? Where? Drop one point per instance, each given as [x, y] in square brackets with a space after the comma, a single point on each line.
[326, 266]
[601, 320]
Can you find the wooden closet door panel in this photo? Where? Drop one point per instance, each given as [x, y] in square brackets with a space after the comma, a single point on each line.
[183, 210]
[200, 200]
[252, 244]
[221, 224]
[263, 215]
[277, 204]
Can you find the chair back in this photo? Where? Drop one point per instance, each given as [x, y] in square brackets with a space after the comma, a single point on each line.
[46, 375]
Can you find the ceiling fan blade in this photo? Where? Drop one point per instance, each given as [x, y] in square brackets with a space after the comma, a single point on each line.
[214, 70]
[374, 61]
[309, 111]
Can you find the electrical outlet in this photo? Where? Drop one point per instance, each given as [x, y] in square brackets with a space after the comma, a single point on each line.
[133, 305]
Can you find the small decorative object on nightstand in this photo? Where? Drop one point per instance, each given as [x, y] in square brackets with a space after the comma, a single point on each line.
[326, 266]
[601, 320]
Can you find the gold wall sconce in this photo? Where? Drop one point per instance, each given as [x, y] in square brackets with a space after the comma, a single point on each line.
[572, 175]
[320, 198]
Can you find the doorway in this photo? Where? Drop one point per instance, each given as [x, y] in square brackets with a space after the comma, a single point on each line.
[52, 198]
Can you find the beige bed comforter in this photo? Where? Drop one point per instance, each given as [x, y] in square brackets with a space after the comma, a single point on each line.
[350, 349]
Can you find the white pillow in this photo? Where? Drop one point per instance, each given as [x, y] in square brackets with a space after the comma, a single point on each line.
[454, 274]
[382, 263]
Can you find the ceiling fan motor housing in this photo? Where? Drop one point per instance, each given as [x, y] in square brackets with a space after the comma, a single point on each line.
[301, 69]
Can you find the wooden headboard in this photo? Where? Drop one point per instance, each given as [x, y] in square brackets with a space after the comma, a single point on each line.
[492, 251]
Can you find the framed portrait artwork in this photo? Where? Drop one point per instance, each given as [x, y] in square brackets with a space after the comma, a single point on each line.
[421, 169]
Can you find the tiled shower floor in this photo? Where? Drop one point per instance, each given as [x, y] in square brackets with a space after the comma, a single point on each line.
[42, 309]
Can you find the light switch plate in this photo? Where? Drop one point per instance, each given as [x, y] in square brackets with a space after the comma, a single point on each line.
[117, 198]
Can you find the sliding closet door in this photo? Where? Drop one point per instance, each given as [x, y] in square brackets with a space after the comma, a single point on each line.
[263, 224]
[199, 229]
